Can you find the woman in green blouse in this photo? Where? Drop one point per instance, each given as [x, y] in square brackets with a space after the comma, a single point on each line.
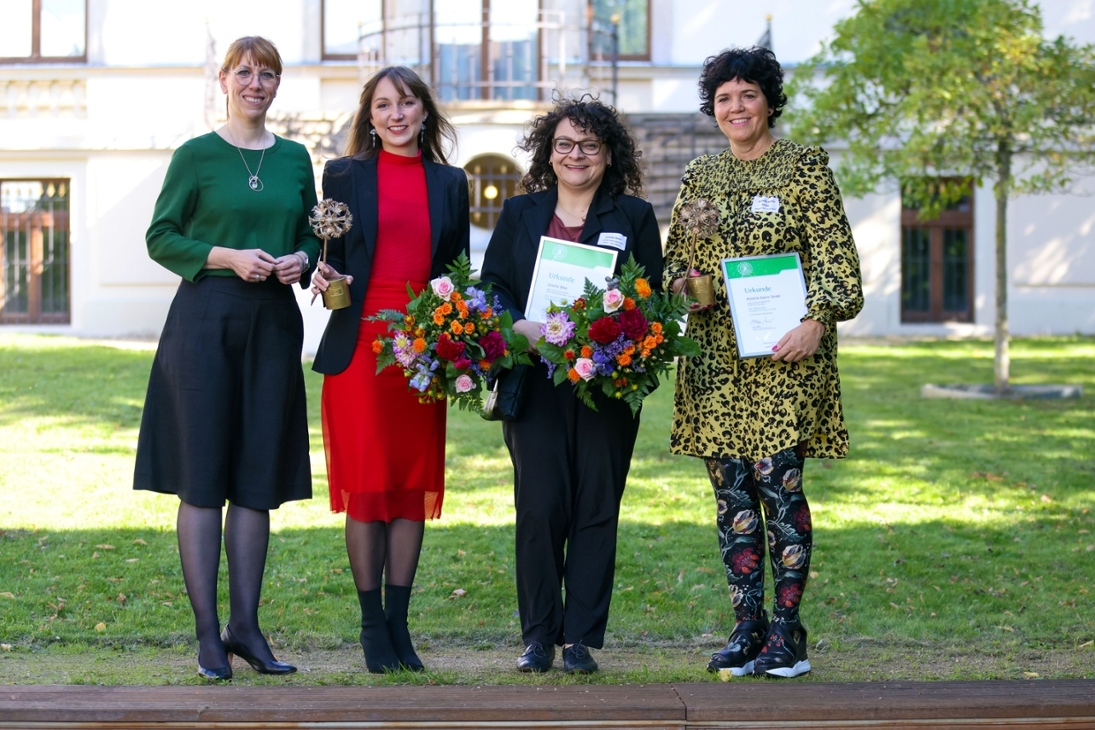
[754, 421]
[225, 418]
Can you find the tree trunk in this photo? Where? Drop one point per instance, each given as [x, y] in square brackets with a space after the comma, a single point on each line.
[1002, 364]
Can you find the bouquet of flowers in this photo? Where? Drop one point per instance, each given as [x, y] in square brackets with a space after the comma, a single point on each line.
[619, 339]
[451, 336]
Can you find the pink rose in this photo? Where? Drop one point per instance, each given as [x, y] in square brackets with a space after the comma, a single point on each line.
[442, 287]
[613, 300]
[585, 367]
[464, 383]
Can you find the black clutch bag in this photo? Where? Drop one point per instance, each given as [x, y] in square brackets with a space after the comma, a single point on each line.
[506, 395]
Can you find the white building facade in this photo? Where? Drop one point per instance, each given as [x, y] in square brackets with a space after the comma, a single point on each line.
[96, 94]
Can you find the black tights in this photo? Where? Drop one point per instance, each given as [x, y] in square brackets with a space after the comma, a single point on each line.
[379, 548]
[246, 538]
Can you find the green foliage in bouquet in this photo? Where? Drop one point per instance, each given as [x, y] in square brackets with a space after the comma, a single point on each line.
[619, 340]
[450, 337]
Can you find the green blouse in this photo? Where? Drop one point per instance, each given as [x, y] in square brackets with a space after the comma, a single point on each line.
[205, 201]
[727, 406]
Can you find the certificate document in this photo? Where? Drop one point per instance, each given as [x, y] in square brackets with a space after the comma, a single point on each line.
[767, 299]
[561, 271]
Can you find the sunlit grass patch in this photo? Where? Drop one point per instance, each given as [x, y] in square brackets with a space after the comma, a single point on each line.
[954, 526]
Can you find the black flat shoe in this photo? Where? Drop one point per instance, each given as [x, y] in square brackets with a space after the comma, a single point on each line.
[220, 673]
[577, 660]
[536, 658]
[261, 666]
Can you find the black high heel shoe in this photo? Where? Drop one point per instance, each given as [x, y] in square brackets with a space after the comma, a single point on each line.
[220, 673]
[259, 665]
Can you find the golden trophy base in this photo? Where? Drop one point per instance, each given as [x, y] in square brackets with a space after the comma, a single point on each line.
[701, 288]
[337, 295]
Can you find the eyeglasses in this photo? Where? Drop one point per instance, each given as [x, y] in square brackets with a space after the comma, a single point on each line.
[564, 146]
[266, 78]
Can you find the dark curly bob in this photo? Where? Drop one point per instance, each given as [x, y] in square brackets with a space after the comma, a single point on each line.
[755, 65]
[590, 115]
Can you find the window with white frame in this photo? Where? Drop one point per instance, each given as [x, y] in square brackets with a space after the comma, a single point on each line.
[43, 31]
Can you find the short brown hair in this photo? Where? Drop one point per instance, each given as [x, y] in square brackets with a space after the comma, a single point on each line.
[261, 51]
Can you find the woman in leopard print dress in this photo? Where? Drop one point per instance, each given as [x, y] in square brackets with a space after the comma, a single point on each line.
[754, 421]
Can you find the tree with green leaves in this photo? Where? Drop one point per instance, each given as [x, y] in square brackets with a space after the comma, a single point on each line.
[941, 93]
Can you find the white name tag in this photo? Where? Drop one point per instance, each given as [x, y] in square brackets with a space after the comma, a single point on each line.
[615, 240]
[763, 204]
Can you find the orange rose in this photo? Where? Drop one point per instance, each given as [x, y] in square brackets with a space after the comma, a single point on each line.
[456, 327]
[487, 314]
[378, 346]
[587, 351]
[645, 354]
[656, 327]
[629, 303]
[419, 344]
[455, 297]
[573, 376]
[469, 328]
[446, 308]
[630, 350]
[624, 360]
[438, 318]
[642, 288]
[659, 339]
[649, 343]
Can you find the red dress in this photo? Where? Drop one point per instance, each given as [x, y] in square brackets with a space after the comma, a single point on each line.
[385, 450]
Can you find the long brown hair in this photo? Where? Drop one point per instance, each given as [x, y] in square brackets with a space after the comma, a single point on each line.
[438, 128]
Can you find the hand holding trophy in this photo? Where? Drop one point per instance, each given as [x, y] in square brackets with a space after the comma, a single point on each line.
[701, 220]
[332, 219]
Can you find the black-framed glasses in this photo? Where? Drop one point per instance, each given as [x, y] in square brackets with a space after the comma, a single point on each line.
[266, 78]
[565, 145]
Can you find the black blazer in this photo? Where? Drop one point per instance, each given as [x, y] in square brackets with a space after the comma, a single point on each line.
[354, 182]
[511, 253]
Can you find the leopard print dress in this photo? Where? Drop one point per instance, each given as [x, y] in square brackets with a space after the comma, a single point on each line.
[729, 407]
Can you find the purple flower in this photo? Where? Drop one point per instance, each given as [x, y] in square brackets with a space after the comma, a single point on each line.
[558, 329]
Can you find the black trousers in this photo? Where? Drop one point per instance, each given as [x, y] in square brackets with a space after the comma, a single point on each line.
[570, 465]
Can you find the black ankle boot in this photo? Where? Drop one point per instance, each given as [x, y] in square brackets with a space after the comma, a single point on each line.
[396, 601]
[375, 641]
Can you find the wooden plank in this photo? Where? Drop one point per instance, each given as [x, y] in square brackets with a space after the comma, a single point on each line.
[226, 704]
[1045, 705]
[774, 701]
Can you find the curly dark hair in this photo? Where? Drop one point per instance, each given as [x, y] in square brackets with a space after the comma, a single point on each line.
[755, 65]
[588, 114]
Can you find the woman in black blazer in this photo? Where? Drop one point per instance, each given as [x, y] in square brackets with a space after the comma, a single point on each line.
[570, 462]
[385, 450]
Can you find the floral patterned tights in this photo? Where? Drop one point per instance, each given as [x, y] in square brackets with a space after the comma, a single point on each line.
[741, 490]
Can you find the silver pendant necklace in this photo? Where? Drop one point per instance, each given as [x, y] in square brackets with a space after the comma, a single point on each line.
[253, 180]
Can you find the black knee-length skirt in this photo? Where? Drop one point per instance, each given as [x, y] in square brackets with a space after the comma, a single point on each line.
[225, 415]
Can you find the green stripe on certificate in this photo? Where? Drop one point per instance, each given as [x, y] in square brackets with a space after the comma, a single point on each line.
[582, 256]
[760, 266]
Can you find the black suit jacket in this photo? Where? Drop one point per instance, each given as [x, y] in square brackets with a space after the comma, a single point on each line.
[354, 182]
[511, 253]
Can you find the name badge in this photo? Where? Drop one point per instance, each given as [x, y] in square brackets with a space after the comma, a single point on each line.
[615, 240]
[763, 204]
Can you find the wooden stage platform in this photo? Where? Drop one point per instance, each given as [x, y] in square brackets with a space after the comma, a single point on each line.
[1044, 705]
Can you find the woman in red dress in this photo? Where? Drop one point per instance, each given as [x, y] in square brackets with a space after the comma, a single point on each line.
[385, 450]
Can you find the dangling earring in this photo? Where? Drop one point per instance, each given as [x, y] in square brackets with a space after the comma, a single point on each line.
[422, 135]
[372, 133]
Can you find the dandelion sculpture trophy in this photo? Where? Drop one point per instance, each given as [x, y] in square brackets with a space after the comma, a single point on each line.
[332, 219]
[701, 220]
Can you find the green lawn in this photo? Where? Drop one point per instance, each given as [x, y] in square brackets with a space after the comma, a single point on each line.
[956, 542]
